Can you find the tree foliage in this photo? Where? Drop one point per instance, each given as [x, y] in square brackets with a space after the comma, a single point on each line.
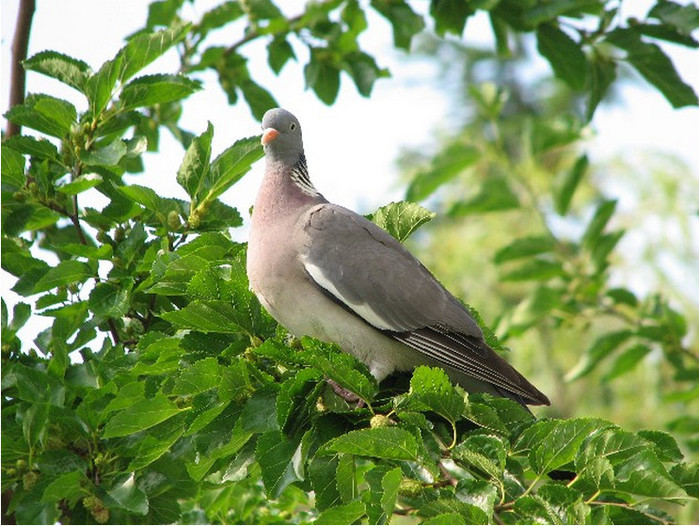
[163, 392]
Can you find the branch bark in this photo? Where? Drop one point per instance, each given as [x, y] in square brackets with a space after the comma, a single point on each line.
[20, 43]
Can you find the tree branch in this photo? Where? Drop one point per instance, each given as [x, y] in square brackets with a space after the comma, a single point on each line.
[20, 43]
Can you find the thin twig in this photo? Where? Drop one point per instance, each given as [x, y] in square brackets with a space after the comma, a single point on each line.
[20, 44]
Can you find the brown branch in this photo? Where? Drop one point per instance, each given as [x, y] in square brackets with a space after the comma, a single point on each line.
[20, 43]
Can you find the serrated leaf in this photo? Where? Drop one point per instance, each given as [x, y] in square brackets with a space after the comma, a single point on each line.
[139, 416]
[322, 473]
[390, 443]
[665, 445]
[157, 442]
[340, 367]
[68, 70]
[46, 114]
[471, 514]
[564, 54]
[80, 184]
[144, 48]
[486, 453]
[430, 389]
[109, 300]
[100, 86]
[401, 219]
[126, 493]
[106, 155]
[150, 90]
[687, 475]
[644, 475]
[219, 16]
[232, 164]
[69, 487]
[348, 513]
[199, 377]
[281, 460]
[65, 273]
[195, 165]
[554, 443]
[12, 169]
[206, 316]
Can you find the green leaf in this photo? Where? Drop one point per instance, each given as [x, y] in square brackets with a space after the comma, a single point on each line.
[100, 86]
[321, 473]
[158, 441]
[258, 98]
[281, 460]
[206, 316]
[348, 513]
[685, 18]
[665, 445]
[279, 51]
[566, 183]
[144, 48]
[554, 443]
[106, 155]
[262, 10]
[128, 496]
[390, 484]
[341, 367]
[430, 389]
[627, 360]
[524, 247]
[485, 453]
[450, 16]
[195, 165]
[69, 487]
[600, 349]
[219, 16]
[445, 166]
[66, 69]
[494, 194]
[404, 21]
[150, 90]
[654, 65]
[535, 269]
[65, 273]
[12, 169]
[202, 375]
[687, 475]
[322, 76]
[564, 54]
[364, 71]
[644, 475]
[604, 212]
[390, 443]
[600, 75]
[471, 514]
[46, 114]
[109, 300]
[401, 219]
[232, 164]
[139, 416]
[80, 184]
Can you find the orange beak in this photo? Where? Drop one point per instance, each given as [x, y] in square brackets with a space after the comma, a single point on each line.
[268, 135]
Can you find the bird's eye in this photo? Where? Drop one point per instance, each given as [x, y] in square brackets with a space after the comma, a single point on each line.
[293, 126]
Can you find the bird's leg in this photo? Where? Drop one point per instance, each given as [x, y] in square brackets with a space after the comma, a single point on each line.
[347, 395]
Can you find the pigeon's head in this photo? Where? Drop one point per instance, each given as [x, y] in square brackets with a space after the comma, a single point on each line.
[281, 135]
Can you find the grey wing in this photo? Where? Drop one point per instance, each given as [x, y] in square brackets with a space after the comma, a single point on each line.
[368, 272]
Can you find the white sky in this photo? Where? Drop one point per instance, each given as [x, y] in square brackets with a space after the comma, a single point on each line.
[351, 146]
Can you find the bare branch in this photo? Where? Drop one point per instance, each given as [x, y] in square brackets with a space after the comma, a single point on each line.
[19, 53]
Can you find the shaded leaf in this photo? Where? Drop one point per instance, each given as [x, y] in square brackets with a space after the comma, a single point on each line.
[401, 219]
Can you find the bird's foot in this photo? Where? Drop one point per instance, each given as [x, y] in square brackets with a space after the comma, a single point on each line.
[347, 395]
